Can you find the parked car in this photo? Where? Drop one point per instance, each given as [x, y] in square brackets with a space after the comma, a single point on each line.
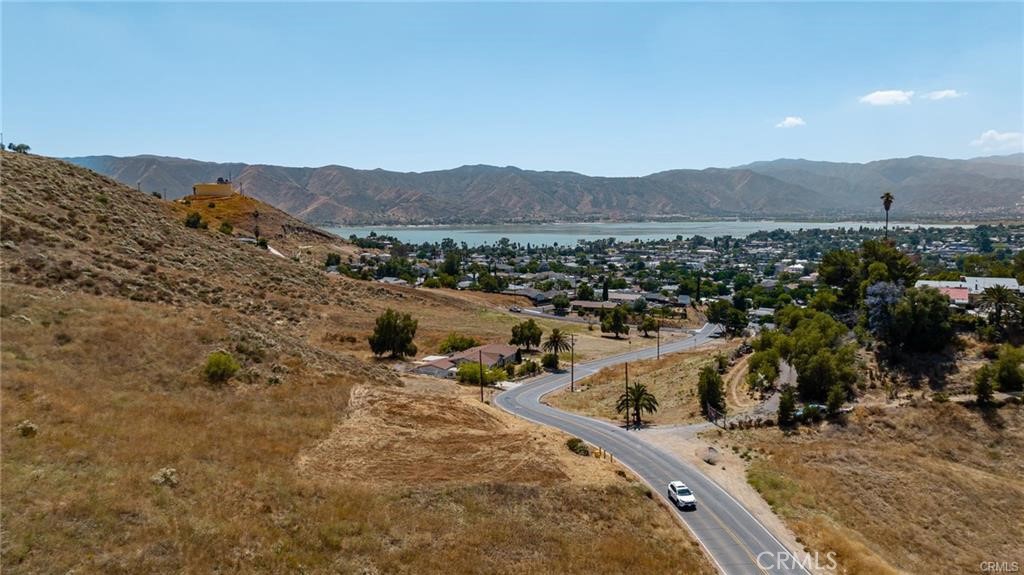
[681, 495]
[515, 309]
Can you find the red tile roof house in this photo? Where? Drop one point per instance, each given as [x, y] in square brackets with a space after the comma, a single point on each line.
[493, 355]
[957, 295]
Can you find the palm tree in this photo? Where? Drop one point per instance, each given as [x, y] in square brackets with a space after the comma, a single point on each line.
[638, 399]
[887, 199]
[557, 342]
[996, 300]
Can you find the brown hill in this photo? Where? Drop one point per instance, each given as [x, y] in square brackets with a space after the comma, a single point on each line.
[781, 188]
[473, 193]
[120, 457]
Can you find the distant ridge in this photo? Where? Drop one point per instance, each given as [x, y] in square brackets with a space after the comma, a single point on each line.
[985, 187]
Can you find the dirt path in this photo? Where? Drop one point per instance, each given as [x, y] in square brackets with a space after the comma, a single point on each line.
[736, 387]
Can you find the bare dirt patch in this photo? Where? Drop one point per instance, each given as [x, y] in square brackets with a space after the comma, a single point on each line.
[672, 379]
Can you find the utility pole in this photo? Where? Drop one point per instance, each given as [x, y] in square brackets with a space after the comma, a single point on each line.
[659, 339]
[480, 360]
[572, 362]
[627, 395]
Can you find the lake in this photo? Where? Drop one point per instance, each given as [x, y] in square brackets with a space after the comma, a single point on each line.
[569, 233]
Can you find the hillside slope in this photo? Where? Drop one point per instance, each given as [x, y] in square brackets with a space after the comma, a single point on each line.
[782, 188]
[120, 457]
[922, 185]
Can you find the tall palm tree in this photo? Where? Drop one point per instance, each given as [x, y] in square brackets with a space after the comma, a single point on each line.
[557, 342]
[887, 199]
[638, 399]
[997, 300]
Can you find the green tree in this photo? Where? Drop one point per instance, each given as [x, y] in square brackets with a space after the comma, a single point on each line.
[997, 301]
[840, 269]
[614, 322]
[18, 148]
[836, 397]
[640, 305]
[457, 342]
[393, 334]
[921, 321]
[763, 369]
[584, 292]
[887, 199]
[725, 314]
[648, 325]
[1006, 372]
[561, 303]
[710, 390]
[636, 400]
[220, 366]
[983, 387]
[452, 264]
[526, 334]
[557, 342]
[824, 300]
[787, 407]
[333, 259]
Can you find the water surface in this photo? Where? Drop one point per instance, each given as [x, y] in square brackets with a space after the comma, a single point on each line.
[569, 233]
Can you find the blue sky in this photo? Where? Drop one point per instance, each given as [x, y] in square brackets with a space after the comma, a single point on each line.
[604, 89]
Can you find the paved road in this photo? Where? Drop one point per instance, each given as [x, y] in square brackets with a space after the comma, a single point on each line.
[589, 320]
[728, 532]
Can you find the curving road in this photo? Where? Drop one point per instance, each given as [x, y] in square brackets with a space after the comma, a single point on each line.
[730, 535]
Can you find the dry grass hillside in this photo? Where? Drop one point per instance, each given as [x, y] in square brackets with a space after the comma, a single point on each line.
[672, 379]
[310, 459]
[928, 488]
[290, 236]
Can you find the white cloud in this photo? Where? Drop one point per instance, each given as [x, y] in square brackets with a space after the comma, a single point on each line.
[993, 140]
[888, 97]
[791, 122]
[943, 95]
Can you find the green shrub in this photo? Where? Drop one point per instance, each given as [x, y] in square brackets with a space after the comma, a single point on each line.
[812, 413]
[226, 228]
[194, 220]
[578, 446]
[549, 361]
[469, 372]
[220, 366]
[333, 259]
[261, 243]
[393, 334]
[457, 342]
[528, 368]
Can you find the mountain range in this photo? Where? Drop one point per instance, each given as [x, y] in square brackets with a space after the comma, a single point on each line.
[925, 187]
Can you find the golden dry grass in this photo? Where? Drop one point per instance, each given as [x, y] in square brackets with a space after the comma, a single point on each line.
[931, 489]
[672, 379]
[117, 396]
[110, 308]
